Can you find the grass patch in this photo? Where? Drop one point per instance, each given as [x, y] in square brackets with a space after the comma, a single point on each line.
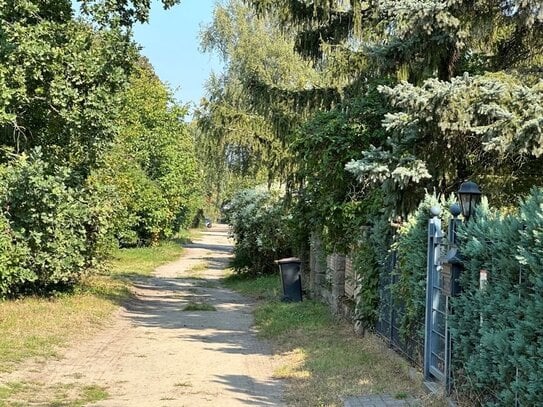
[196, 270]
[198, 306]
[321, 359]
[38, 327]
[183, 384]
[65, 394]
[10, 389]
[261, 287]
[141, 261]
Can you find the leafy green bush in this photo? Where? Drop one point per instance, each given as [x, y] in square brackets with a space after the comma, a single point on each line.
[49, 225]
[366, 294]
[259, 228]
[498, 345]
[336, 204]
[151, 169]
[12, 256]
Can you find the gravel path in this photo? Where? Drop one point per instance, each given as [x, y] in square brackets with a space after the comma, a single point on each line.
[157, 354]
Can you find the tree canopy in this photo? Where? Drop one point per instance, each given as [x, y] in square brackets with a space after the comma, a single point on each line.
[94, 151]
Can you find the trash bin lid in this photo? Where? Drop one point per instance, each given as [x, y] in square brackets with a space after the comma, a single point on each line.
[288, 260]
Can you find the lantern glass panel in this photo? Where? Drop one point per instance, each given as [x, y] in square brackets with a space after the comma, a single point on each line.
[465, 202]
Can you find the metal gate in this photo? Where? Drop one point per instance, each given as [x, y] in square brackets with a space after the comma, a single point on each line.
[436, 341]
[391, 311]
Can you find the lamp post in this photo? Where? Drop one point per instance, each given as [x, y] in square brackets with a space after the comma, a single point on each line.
[469, 196]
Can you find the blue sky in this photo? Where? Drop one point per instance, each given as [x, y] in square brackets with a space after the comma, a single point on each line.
[170, 41]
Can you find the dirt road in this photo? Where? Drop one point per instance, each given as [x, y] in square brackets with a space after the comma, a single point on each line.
[155, 353]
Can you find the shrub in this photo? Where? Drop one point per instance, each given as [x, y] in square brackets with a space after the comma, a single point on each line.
[48, 224]
[366, 294]
[12, 256]
[151, 169]
[498, 344]
[259, 229]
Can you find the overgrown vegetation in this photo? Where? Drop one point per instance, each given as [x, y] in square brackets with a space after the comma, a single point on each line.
[93, 149]
[259, 228]
[362, 109]
[497, 330]
[357, 109]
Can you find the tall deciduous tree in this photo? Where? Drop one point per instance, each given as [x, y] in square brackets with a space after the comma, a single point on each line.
[60, 81]
[152, 165]
[87, 137]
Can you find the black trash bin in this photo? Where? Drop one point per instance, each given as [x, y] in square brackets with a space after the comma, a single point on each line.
[291, 278]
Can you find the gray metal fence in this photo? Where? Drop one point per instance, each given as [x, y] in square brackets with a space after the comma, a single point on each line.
[390, 314]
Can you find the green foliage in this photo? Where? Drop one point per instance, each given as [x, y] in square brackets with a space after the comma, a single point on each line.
[151, 170]
[334, 201]
[49, 224]
[12, 255]
[468, 123]
[498, 344]
[259, 228]
[93, 148]
[409, 289]
[237, 148]
[236, 140]
[366, 268]
[410, 245]
[431, 131]
[120, 13]
[371, 255]
[60, 83]
[263, 287]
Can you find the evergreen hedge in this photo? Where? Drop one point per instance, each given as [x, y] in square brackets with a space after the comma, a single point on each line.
[498, 330]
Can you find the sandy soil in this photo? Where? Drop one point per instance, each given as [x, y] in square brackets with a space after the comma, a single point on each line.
[156, 354]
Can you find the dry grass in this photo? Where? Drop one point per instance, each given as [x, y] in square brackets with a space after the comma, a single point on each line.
[196, 270]
[323, 360]
[21, 394]
[39, 327]
[198, 306]
[183, 384]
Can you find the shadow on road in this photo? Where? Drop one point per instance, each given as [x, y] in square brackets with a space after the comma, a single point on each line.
[228, 329]
[261, 393]
[210, 247]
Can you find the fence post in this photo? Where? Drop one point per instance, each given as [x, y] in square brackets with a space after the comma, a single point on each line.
[434, 240]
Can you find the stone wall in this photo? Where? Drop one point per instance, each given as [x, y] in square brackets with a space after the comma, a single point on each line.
[326, 276]
[350, 278]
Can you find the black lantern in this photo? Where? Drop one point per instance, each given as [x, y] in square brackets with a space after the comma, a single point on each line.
[469, 196]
